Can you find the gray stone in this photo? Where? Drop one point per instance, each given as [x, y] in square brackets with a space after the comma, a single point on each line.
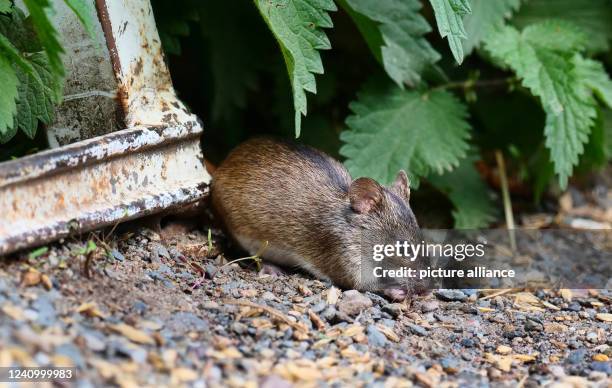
[418, 330]
[375, 337]
[450, 295]
[394, 309]
[353, 302]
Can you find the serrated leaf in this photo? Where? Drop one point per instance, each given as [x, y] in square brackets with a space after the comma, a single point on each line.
[8, 95]
[36, 100]
[592, 16]
[6, 6]
[449, 17]
[486, 16]
[83, 9]
[297, 26]
[473, 207]
[595, 77]
[542, 55]
[40, 88]
[393, 129]
[46, 33]
[395, 31]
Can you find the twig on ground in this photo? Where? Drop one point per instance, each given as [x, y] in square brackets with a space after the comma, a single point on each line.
[506, 198]
[274, 313]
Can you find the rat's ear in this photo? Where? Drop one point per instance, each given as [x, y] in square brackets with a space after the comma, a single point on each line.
[365, 194]
[402, 185]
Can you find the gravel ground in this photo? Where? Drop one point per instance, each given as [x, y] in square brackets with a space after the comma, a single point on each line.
[140, 309]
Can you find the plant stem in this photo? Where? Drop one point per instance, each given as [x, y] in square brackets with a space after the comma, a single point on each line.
[506, 198]
[468, 84]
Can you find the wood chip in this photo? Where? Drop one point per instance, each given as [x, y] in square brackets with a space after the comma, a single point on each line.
[600, 357]
[304, 290]
[274, 313]
[333, 294]
[133, 334]
[316, 320]
[91, 310]
[31, 277]
[388, 332]
[46, 282]
[182, 375]
[566, 294]
[605, 317]
[503, 363]
[524, 357]
[14, 312]
[503, 349]
[353, 330]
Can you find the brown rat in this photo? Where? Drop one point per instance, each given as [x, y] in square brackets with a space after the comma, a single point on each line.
[304, 209]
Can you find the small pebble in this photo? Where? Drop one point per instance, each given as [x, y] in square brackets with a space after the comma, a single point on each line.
[450, 295]
[375, 337]
[430, 306]
[418, 330]
[394, 309]
[353, 302]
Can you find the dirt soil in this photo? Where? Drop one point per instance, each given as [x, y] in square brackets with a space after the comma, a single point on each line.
[137, 308]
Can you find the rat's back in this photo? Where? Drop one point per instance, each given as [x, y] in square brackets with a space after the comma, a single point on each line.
[282, 196]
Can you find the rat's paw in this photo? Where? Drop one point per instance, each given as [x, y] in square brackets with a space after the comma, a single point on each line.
[272, 270]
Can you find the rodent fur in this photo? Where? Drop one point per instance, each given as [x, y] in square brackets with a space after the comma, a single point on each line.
[308, 209]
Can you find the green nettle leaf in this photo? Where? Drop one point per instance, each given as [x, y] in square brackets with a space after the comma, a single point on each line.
[46, 33]
[6, 6]
[83, 9]
[486, 16]
[37, 99]
[543, 56]
[393, 129]
[593, 16]
[8, 94]
[404, 51]
[449, 17]
[595, 77]
[473, 207]
[297, 26]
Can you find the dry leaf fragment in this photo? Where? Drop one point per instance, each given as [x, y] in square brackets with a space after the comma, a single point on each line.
[14, 312]
[388, 332]
[353, 330]
[424, 379]
[333, 294]
[46, 282]
[321, 343]
[503, 363]
[316, 320]
[182, 375]
[91, 310]
[524, 357]
[133, 334]
[304, 290]
[250, 293]
[566, 294]
[600, 357]
[31, 277]
[605, 317]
